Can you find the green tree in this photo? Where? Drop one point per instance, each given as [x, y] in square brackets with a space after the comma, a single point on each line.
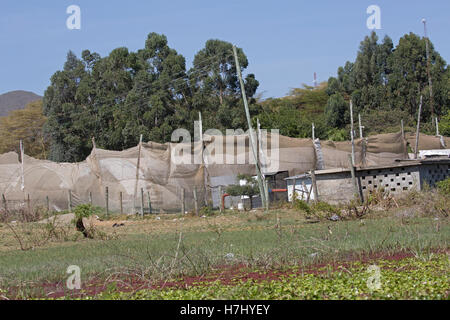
[249, 189]
[61, 108]
[216, 89]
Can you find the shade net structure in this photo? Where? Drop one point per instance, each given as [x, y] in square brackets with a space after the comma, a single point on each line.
[162, 178]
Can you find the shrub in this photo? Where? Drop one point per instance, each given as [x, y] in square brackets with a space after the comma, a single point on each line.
[444, 186]
[83, 211]
[302, 206]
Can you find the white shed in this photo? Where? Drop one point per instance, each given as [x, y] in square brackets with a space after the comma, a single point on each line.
[302, 185]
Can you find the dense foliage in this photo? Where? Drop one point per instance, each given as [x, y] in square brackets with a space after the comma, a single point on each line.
[423, 277]
[120, 96]
[384, 78]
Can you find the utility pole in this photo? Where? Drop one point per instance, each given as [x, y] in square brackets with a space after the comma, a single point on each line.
[137, 172]
[437, 127]
[416, 151]
[352, 133]
[428, 68]
[360, 126]
[261, 185]
[403, 130]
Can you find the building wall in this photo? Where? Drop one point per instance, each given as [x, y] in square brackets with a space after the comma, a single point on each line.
[432, 173]
[335, 187]
[395, 179]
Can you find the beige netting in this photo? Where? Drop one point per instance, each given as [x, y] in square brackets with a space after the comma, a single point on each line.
[163, 179]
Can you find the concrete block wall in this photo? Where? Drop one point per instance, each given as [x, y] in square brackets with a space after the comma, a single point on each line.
[432, 173]
[394, 179]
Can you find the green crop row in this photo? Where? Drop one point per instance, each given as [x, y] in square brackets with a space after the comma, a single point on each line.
[411, 278]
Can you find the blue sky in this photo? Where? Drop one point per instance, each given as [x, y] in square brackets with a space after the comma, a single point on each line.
[285, 41]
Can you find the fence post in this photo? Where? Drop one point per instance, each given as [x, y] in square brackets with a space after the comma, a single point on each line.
[121, 202]
[149, 202]
[267, 196]
[47, 201]
[4, 203]
[195, 200]
[220, 199]
[90, 197]
[70, 200]
[29, 203]
[142, 202]
[355, 183]
[183, 205]
[314, 184]
[107, 200]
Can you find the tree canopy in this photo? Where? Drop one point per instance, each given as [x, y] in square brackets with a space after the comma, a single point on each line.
[118, 97]
[151, 92]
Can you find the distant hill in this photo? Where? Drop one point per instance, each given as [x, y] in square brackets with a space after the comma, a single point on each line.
[14, 100]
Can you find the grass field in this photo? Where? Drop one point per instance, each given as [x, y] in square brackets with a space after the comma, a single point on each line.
[170, 248]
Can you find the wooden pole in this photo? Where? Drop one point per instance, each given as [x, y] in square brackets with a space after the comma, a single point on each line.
[90, 198]
[5, 205]
[183, 204]
[355, 183]
[266, 189]
[70, 200]
[360, 126]
[314, 184]
[137, 172]
[195, 200]
[308, 192]
[220, 200]
[142, 202]
[403, 130]
[29, 203]
[416, 150]
[149, 202]
[437, 127]
[121, 202]
[351, 132]
[47, 201]
[107, 200]
[247, 114]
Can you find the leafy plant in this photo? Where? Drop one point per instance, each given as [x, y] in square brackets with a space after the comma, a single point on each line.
[444, 186]
[83, 211]
[250, 188]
